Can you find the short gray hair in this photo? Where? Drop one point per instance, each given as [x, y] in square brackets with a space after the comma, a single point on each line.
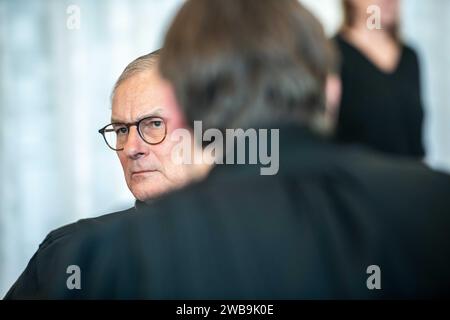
[143, 63]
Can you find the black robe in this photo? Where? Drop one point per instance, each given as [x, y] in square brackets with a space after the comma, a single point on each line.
[311, 231]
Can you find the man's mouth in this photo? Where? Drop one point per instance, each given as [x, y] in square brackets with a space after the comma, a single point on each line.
[141, 172]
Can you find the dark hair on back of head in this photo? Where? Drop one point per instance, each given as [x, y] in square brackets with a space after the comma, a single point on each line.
[241, 63]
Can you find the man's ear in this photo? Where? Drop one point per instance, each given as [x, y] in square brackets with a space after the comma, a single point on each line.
[333, 90]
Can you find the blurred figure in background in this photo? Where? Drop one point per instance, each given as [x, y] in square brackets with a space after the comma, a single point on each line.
[381, 102]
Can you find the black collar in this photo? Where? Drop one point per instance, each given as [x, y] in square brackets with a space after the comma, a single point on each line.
[140, 205]
[300, 149]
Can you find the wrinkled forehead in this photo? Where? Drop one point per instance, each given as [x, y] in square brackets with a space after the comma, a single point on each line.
[144, 94]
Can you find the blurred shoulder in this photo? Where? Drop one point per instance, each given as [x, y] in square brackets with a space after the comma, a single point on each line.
[396, 175]
[83, 228]
[74, 244]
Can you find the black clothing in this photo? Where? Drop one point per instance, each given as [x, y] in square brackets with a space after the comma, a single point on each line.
[379, 109]
[310, 231]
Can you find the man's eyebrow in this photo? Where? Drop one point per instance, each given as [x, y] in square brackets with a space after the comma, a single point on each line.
[154, 113]
[115, 120]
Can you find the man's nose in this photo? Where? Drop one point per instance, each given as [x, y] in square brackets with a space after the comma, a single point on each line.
[135, 147]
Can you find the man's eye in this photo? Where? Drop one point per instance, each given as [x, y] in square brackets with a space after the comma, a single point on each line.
[156, 123]
[121, 130]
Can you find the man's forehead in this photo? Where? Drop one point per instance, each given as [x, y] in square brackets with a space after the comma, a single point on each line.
[151, 112]
[142, 95]
[143, 85]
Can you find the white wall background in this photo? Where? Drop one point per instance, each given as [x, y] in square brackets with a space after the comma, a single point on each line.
[54, 95]
[426, 26]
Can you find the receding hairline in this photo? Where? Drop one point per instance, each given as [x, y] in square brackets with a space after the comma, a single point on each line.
[144, 63]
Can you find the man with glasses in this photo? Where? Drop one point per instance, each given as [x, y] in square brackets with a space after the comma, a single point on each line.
[144, 114]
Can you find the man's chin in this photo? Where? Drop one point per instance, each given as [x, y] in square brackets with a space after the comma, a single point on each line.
[146, 194]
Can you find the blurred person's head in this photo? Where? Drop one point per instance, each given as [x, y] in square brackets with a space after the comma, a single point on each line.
[141, 93]
[355, 14]
[244, 63]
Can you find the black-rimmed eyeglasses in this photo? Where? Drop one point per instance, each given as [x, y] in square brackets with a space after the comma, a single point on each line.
[151, 129]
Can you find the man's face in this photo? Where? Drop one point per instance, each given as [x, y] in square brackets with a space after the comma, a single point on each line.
[149, 170]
